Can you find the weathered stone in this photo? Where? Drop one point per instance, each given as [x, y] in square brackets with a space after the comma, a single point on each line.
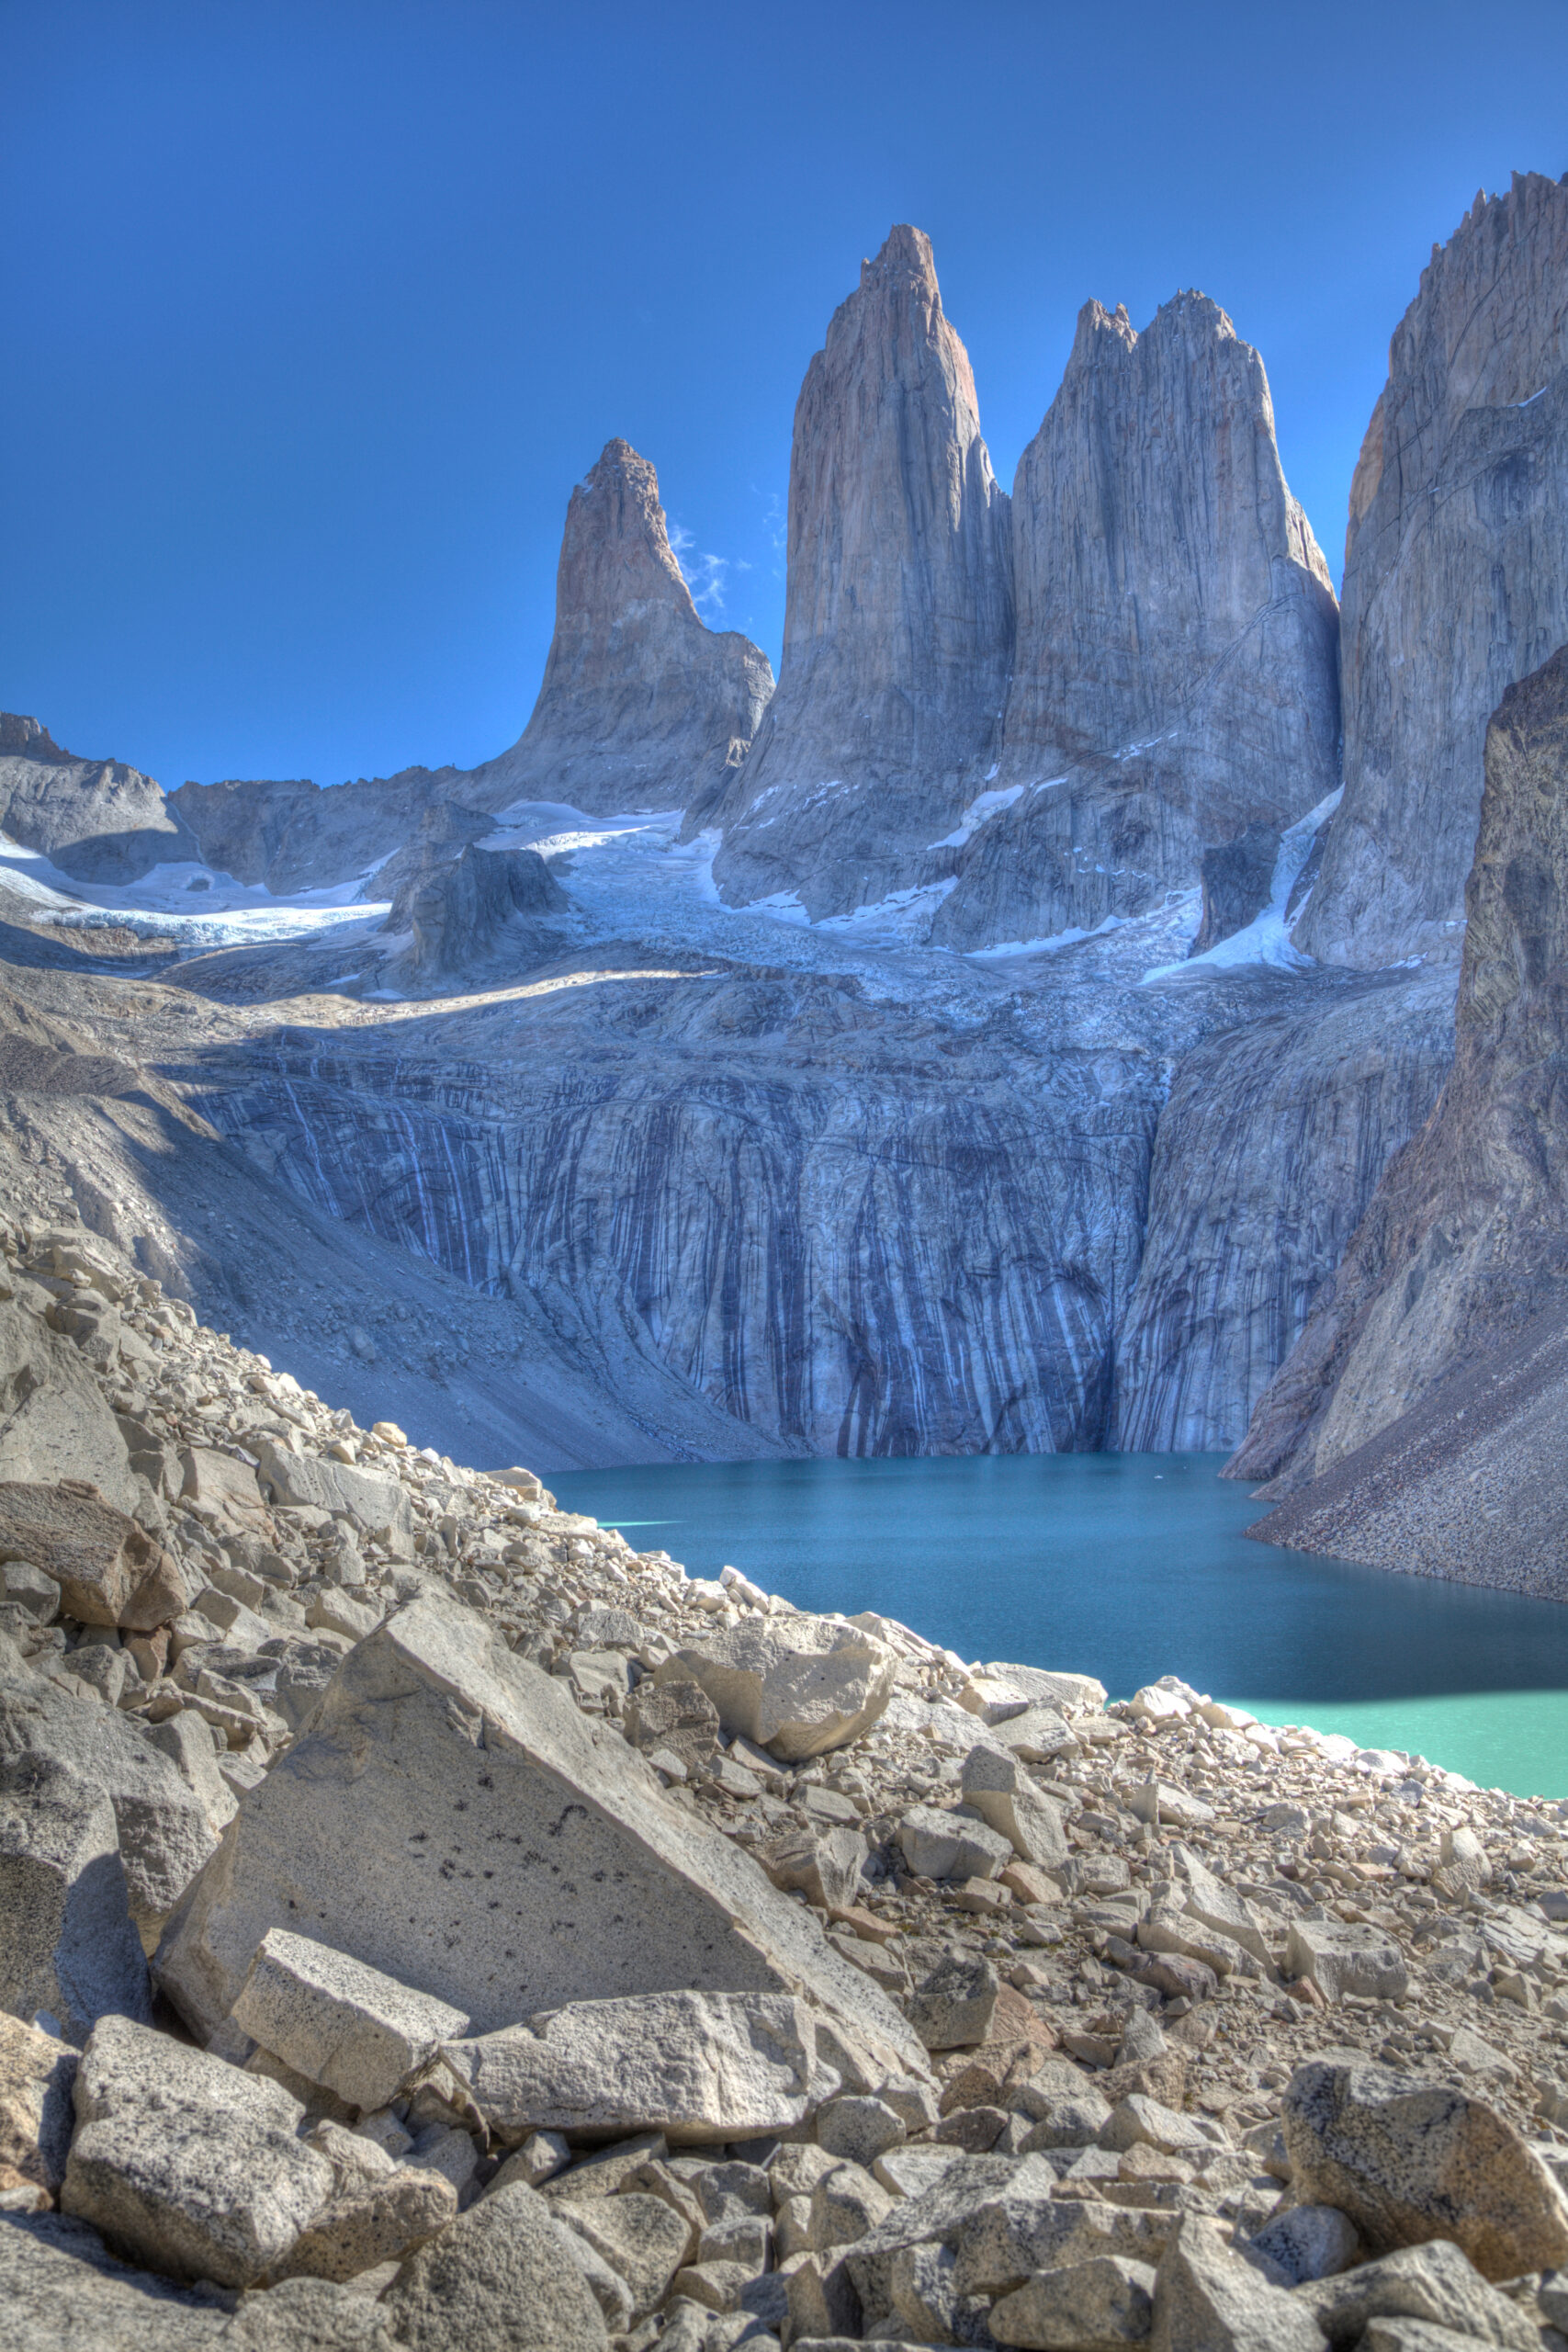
[1406, 2161]
[1341, 1958]
[36, 2115]
[541, 2156]
[437, 1752]
[379, 1505]
[675, 1714]
[338, 2022]
[1050, 1687]
[109, 1571]
[900, 626]
[1209, 2299]
[693, 2065]
[642, 2238]
[798, 1686]
[61, 2288]
[1435, 2282]
[69, 1951]
[995, 1782]
[937, 1844]
[954, 2004]
[54, 1422]
[308, 2315]
[860, 2129]
[458, 910]
[1210, 1901]
[221, 1490]
[502, 2276]
[191, 2167]
[1176, 673]
[641, 705]
[1140, 2119]
[377, 2222]
[1089, 2307]
[824, 1865]
[1023, 2227]
[1308, 2242]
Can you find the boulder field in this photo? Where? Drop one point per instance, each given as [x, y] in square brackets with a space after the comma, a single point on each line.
[425, 1921]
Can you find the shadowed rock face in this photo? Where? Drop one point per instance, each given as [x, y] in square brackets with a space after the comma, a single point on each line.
[1270, 1146]
[99, 821]
[1456, 571]
[456, 907]
[898, 628]
[1461, 1265]
[641, 705]
[293, 835]
[1174, 678]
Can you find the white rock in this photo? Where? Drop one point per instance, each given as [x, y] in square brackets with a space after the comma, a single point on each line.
[945, 1845]
[192, 2165]
[693, 2065]
[1341, 1958]
[798, 1686]
[337, 2023]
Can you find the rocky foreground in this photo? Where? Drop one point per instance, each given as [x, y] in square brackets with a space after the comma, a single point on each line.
[426, 1922]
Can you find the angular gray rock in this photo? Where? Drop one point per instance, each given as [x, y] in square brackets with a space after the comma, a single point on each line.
[1175, 680]
[1341, 1960]
[98, 821]
[1459, 527]
[308, 2315]
[641, 705]
[1209, 2299]
[464, 1758]
[68, 1950]
[35, 2115]
[998, 1788]
[54, 1421]
[1269, 1150]
[1406, 2161]
[938, 1844]
[797, 1686]
[1308, 2243]
[693, 2065]
[457, 910]
[1435, 2282]
[1089, 2306]
[379, 1505]
[501, 2277]
[898, 624]
[350, 2028]
[371, 2222]
[953, 2004]
[109, 1571]
[642, 2239]
[188, 2164]
[61, 2288]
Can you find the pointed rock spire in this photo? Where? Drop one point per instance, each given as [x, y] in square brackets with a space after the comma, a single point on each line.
[1174, 678]
[1456, 571]
[640, 702]
[899, 626]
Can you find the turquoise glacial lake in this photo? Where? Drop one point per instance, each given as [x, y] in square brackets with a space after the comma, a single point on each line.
[1127, 1567]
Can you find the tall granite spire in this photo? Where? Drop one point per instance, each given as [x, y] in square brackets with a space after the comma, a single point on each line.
[1175, 677]
[1456, 571]
[898, 628]
[642, 705]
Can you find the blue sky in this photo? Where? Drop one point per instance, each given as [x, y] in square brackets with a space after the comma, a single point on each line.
[314, 313]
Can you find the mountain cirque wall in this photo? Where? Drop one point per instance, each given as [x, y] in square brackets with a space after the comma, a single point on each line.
[641, 705]
[1440, 1340]
[898, 624]
[1456, 571]
[1175, 680]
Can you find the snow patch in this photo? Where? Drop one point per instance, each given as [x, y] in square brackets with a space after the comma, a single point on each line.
[1267, 938]
[988, 805]
[1048, 947]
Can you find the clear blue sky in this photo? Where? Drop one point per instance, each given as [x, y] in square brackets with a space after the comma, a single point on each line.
[313, 313]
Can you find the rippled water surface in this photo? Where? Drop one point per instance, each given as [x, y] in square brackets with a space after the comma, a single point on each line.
[1128, 1567]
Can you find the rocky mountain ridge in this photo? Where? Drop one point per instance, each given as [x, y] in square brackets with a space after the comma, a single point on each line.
[709, 1973]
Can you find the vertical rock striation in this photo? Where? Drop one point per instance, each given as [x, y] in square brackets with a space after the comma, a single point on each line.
[1270, 1146]
[1456, 570]
[641, 705]
[898, 626]
[1175, 677]
[1443, 1330]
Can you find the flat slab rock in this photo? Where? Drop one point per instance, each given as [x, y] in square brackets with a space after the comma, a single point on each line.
[337, 2023]
[693, 2065]
[505, 1858]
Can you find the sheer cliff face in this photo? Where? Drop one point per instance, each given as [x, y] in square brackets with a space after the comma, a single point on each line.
[1465, 1245]
[899, 626]
[1174, 678]
[1456, 571]
[98, 821]
[1269, 1148]
[642, 706]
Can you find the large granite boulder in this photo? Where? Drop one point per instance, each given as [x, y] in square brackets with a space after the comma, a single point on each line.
[898, 628]
[641, 705]
[69, 1951]
[455, 910]
[54, 1419]
[1456, 571]
[797, 1686]
[506, 1859]
[1175, 682]
[109, 1571]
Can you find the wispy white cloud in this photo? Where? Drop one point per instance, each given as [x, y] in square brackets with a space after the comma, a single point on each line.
[704, 575]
